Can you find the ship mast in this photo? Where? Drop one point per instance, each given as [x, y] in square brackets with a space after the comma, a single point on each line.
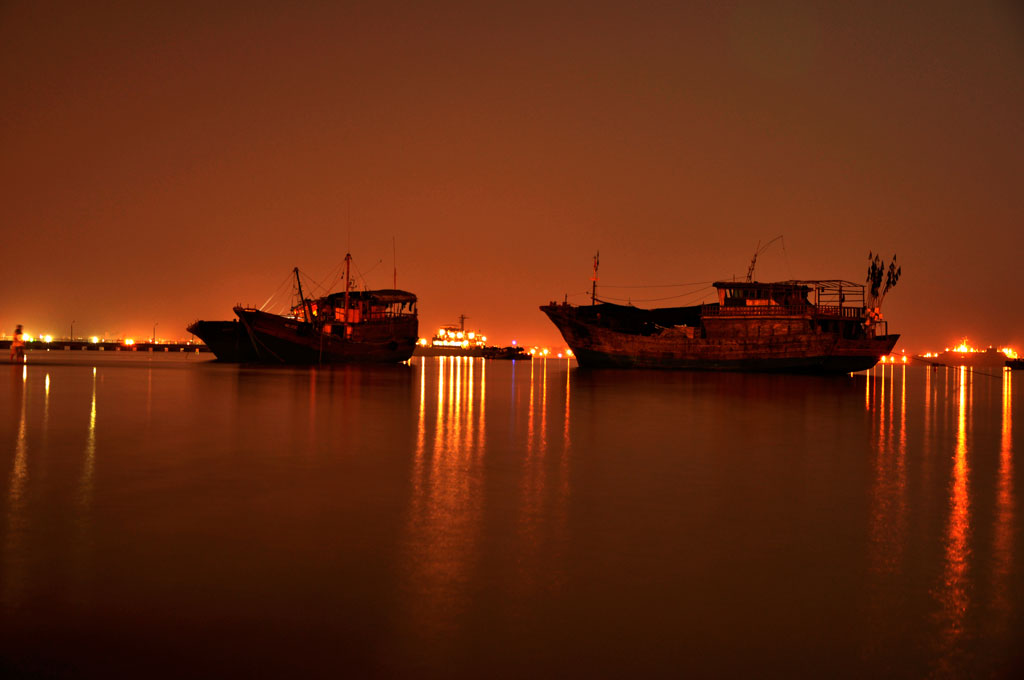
[348, 261]
[302, 299]
[593, 287]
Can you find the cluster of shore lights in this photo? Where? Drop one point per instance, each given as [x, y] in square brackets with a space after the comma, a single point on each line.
[544, 353]
[964, 348]
[47, 338]
[893, 359]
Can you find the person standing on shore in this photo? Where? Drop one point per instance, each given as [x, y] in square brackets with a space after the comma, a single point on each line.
[17, 346]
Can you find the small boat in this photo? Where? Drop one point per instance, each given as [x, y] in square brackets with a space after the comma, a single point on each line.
[375, 326]
[1015, 364]
[455, 341]
[823, 326]
[228, 340]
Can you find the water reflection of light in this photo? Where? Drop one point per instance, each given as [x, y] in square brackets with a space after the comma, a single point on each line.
[881, 410]
[1004, 529]
[903, 416]
[535, 517]
[454, 421]
[421, 424]
[928, 415]
[86, 484]
[867, 390]
[481, 419]
[955, 593]
[529, 413]
[46, 405]
[888, 495]
[544, 405]
[447, 532]
[446, 494]
[13, 577]
[565, 433]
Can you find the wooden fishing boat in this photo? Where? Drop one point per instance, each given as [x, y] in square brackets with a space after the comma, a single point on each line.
[820, 326]
[377, 326]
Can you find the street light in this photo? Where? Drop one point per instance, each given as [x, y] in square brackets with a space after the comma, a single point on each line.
[155, 324]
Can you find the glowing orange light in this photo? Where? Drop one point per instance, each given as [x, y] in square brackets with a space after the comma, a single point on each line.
[963, 347]
[129, 341]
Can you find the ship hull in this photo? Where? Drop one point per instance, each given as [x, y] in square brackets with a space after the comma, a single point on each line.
[595, 346]
[278, 339]
[228, 340]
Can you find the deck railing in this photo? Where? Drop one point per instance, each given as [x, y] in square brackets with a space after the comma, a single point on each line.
[831, 311]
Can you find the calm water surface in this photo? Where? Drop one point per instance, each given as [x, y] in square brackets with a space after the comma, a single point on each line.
[459, 518]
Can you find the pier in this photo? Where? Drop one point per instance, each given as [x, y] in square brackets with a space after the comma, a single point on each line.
[36, 345]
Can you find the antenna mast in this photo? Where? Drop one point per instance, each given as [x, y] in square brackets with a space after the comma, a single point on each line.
[593, 287]
[348, 260]
[758, 251]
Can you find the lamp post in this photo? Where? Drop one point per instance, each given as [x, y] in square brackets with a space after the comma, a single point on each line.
[155, 324]
[72, 330]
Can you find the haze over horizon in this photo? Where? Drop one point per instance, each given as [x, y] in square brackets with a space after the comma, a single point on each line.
[165, 162]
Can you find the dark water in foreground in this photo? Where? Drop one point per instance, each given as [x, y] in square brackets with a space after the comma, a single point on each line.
[175, 517]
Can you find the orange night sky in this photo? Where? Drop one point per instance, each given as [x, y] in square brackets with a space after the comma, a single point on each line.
[162, 162]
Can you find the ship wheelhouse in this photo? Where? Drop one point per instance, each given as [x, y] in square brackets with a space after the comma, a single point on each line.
[826, 306]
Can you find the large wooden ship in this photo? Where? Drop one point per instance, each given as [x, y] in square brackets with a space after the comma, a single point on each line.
[376, 326]
[789, 326]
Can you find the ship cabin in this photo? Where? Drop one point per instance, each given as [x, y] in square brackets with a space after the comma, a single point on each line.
[829, 306]
[843, 299]
[784, 294]
[366, 306]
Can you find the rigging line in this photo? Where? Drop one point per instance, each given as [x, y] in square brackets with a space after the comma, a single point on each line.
[789, 270]
[691, 293]
[276, 291]
[671, 297]
[314, 286]
[320, 284]
[362, 276]
[667, 285]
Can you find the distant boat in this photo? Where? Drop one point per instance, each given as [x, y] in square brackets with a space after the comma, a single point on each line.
[965, 356]
[228, 340]
[787, 326]
[1015, 364]
[378, 326]
[456, 341]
